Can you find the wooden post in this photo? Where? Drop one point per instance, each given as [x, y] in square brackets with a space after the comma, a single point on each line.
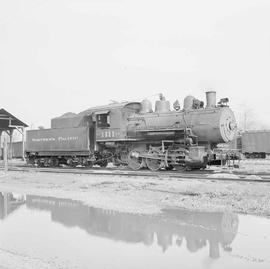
[5, 154]
[23, 145]
[1, 152]
[10, 155]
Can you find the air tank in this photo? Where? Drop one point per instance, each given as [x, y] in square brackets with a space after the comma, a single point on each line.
[210, 99]
[162, 105]
[146, 106]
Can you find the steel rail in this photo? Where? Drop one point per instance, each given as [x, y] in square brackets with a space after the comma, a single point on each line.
[161, 172]
[200, 175]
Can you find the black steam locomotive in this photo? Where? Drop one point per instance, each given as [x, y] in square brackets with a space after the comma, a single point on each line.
[132, 134]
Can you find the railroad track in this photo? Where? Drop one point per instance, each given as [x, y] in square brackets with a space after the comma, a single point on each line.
[201, 175]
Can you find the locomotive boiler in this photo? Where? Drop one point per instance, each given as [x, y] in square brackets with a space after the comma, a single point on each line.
[133, 134]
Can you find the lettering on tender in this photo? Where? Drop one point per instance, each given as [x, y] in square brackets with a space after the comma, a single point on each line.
[60, 138]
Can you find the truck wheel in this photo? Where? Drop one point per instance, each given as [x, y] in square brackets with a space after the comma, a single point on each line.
[103, 163]
[55, 162]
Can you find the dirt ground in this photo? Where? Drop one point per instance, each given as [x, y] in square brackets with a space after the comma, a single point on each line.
[143, 195]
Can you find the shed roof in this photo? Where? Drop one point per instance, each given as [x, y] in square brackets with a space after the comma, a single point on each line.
[8, 121]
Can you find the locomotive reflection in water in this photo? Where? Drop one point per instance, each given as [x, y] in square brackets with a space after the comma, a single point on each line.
[132, 134]
[198, 229]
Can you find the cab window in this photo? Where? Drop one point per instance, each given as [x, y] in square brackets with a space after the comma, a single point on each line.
[103, 120]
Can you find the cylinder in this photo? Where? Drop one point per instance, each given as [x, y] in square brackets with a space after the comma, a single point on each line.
[210, 99]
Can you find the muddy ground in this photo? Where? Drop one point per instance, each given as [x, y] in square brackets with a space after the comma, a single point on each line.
[143, 195]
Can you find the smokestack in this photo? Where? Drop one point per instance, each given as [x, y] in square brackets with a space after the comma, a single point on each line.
[210, 99]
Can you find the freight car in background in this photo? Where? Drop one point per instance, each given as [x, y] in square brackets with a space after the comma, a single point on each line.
[131, 133]
[251, 144]
[256, 144]
[17, 150]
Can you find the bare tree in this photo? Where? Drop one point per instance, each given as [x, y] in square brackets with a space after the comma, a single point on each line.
[248, 120]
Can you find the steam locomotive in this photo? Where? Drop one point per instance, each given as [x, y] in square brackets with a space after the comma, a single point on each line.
[131, 133]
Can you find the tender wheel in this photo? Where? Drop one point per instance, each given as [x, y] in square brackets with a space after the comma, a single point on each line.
[169, 168]
[87, 164]
[36, 162]
[103, 163]
[71, 163]
[39, 163]
[134, 161]
[54, 162]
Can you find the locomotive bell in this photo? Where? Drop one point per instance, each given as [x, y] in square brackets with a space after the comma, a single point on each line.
[210, 99]
[176, 105]
[162, 105]
[146, 106]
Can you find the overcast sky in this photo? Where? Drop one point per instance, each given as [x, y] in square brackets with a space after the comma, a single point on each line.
[68, 55]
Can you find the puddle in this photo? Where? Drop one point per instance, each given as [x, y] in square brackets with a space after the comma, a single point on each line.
[42, 232]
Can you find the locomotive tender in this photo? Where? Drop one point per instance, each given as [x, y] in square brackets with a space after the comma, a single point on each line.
[132, 133]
